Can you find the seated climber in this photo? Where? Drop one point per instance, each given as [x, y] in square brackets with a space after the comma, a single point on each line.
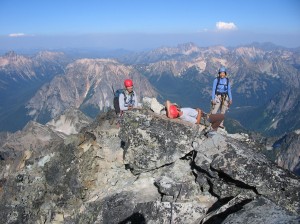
[128, 100]
[193, 115]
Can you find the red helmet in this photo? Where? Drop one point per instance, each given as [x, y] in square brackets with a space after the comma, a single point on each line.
[173, 111]
[128, 83]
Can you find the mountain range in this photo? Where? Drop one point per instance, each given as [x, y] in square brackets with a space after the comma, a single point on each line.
[264, 79]
[20, 77]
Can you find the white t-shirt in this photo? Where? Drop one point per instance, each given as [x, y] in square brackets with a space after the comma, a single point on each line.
[131, 100]
[189, 114]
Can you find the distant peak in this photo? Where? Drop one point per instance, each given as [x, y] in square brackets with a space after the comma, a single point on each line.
[49, 53]
[11, 54]
[187, 45]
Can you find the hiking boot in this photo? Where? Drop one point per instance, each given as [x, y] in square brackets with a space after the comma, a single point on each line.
[210, 134]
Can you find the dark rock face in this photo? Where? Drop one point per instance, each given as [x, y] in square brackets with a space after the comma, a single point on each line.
[223, 166]
[153, 142]
[261, 210]
[141, 168]
[288, 149]
[283, 150]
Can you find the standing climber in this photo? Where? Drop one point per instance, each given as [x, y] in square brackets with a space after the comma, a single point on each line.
[221, 93]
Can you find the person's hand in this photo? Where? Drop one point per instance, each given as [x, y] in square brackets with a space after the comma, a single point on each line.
[198, 110]
[230, 102]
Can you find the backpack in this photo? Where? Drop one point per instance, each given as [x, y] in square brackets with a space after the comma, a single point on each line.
[116, 99]
[218, 83]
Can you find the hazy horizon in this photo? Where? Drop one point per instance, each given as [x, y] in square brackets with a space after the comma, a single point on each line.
[139, 25]
[135, 42]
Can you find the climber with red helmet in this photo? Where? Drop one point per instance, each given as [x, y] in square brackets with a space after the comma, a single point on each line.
[128, 99]
[193, 115]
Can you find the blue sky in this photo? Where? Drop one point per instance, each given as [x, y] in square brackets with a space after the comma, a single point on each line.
[144, 24]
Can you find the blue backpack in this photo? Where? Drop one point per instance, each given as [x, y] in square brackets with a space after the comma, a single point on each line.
[116, 99]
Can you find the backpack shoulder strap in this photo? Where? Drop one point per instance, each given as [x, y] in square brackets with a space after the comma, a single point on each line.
[123, 92]
[218, 82]
[227, 81]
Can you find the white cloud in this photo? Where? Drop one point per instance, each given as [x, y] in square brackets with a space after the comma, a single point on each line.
[16, 35]
[226, 26]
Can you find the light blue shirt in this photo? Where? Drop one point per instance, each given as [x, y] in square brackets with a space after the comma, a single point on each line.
[221, 88]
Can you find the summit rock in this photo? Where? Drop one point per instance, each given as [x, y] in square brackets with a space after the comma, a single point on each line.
[144, 168]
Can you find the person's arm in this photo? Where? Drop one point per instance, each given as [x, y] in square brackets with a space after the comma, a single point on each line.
[213, 93]
[229, 93]
[199, 116]
[122, 102]
[167, 105]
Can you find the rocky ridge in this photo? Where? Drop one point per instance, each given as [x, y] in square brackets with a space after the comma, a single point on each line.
[144, 168]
